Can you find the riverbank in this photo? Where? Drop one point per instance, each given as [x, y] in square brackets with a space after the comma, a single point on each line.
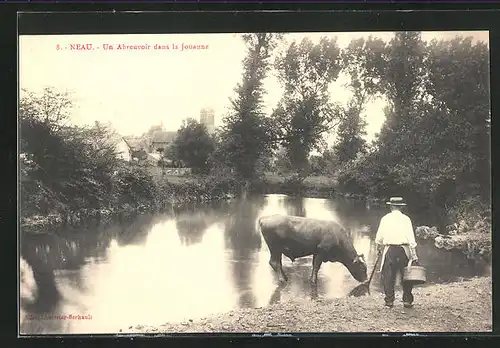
[138, 192]
[153, 192]
[475, 243]
[312, 186]
[454, 307]
[145, 193]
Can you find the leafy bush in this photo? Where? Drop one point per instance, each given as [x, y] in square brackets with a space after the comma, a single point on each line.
[471, 233]
[471, 244]
[192, 146]
[133, 185]
[426, 232]
[358, 176]
[470, 214]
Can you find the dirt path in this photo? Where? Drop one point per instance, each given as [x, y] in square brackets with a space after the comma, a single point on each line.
[455, 307]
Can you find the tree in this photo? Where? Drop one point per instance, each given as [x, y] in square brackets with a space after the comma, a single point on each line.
[453, 158]
[459, 84]
[161, 162]
[193, 146]
[331, 161]
[350, 132]
[402, 73]
[402, 79]
[435, 149]
[246, 132]
[318, 164]
[64, 165]
[304, 112]
[362, 60]
[52, 108]
[282, 161]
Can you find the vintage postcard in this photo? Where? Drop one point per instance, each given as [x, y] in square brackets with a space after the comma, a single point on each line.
[255, 182]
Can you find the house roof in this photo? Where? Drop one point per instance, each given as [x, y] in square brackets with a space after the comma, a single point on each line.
[133, 142]
[164, 137]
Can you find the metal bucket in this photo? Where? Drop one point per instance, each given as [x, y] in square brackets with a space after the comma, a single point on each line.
[414, 274]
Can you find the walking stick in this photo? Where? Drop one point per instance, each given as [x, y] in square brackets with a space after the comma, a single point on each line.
[364, 288]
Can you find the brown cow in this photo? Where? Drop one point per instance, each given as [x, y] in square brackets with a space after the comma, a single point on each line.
[297, 237]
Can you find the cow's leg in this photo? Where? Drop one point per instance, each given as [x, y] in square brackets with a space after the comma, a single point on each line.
[275, 262]
[316, 264]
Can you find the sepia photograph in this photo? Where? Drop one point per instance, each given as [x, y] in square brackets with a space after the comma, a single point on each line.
[259, 182]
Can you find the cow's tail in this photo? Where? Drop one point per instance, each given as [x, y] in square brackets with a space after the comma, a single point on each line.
[349, 232]
[258, 229]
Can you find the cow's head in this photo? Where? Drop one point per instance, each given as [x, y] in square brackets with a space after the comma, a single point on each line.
[358, 268]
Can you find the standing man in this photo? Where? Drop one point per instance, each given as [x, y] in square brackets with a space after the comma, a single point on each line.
[396, 240]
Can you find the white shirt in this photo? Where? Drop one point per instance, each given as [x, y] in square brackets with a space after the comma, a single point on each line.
[396, 228]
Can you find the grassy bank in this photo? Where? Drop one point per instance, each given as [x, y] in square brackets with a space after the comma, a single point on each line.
[455, 307]
[312, 186]
[132, 190]
[318, 186]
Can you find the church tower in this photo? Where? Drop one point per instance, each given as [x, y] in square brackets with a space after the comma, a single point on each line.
[207, 117]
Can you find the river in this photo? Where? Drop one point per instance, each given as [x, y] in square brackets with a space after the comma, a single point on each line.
[193, 262]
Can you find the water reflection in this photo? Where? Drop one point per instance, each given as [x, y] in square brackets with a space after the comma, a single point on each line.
[58, 265]
[294, 206]
[133, 231]
[193, 262]
[244, 241]
[276, 296]
[191, 227]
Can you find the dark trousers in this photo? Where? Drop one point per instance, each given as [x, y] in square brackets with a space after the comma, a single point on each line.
[394, 263]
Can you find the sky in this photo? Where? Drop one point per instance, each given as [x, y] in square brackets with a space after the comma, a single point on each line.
[136, 89]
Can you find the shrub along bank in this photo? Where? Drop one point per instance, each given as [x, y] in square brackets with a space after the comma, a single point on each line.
[313, 186]
[131, 190]
[470, 233]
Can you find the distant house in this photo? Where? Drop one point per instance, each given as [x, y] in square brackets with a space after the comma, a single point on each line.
[123, 150]
[111, 138]
[161, 140]
[136, 152]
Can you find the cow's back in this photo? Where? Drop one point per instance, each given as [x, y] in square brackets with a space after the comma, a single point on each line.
[279, 222]
[270, 221]
[297, 234]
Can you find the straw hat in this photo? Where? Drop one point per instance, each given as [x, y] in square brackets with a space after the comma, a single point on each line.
[396, 201]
